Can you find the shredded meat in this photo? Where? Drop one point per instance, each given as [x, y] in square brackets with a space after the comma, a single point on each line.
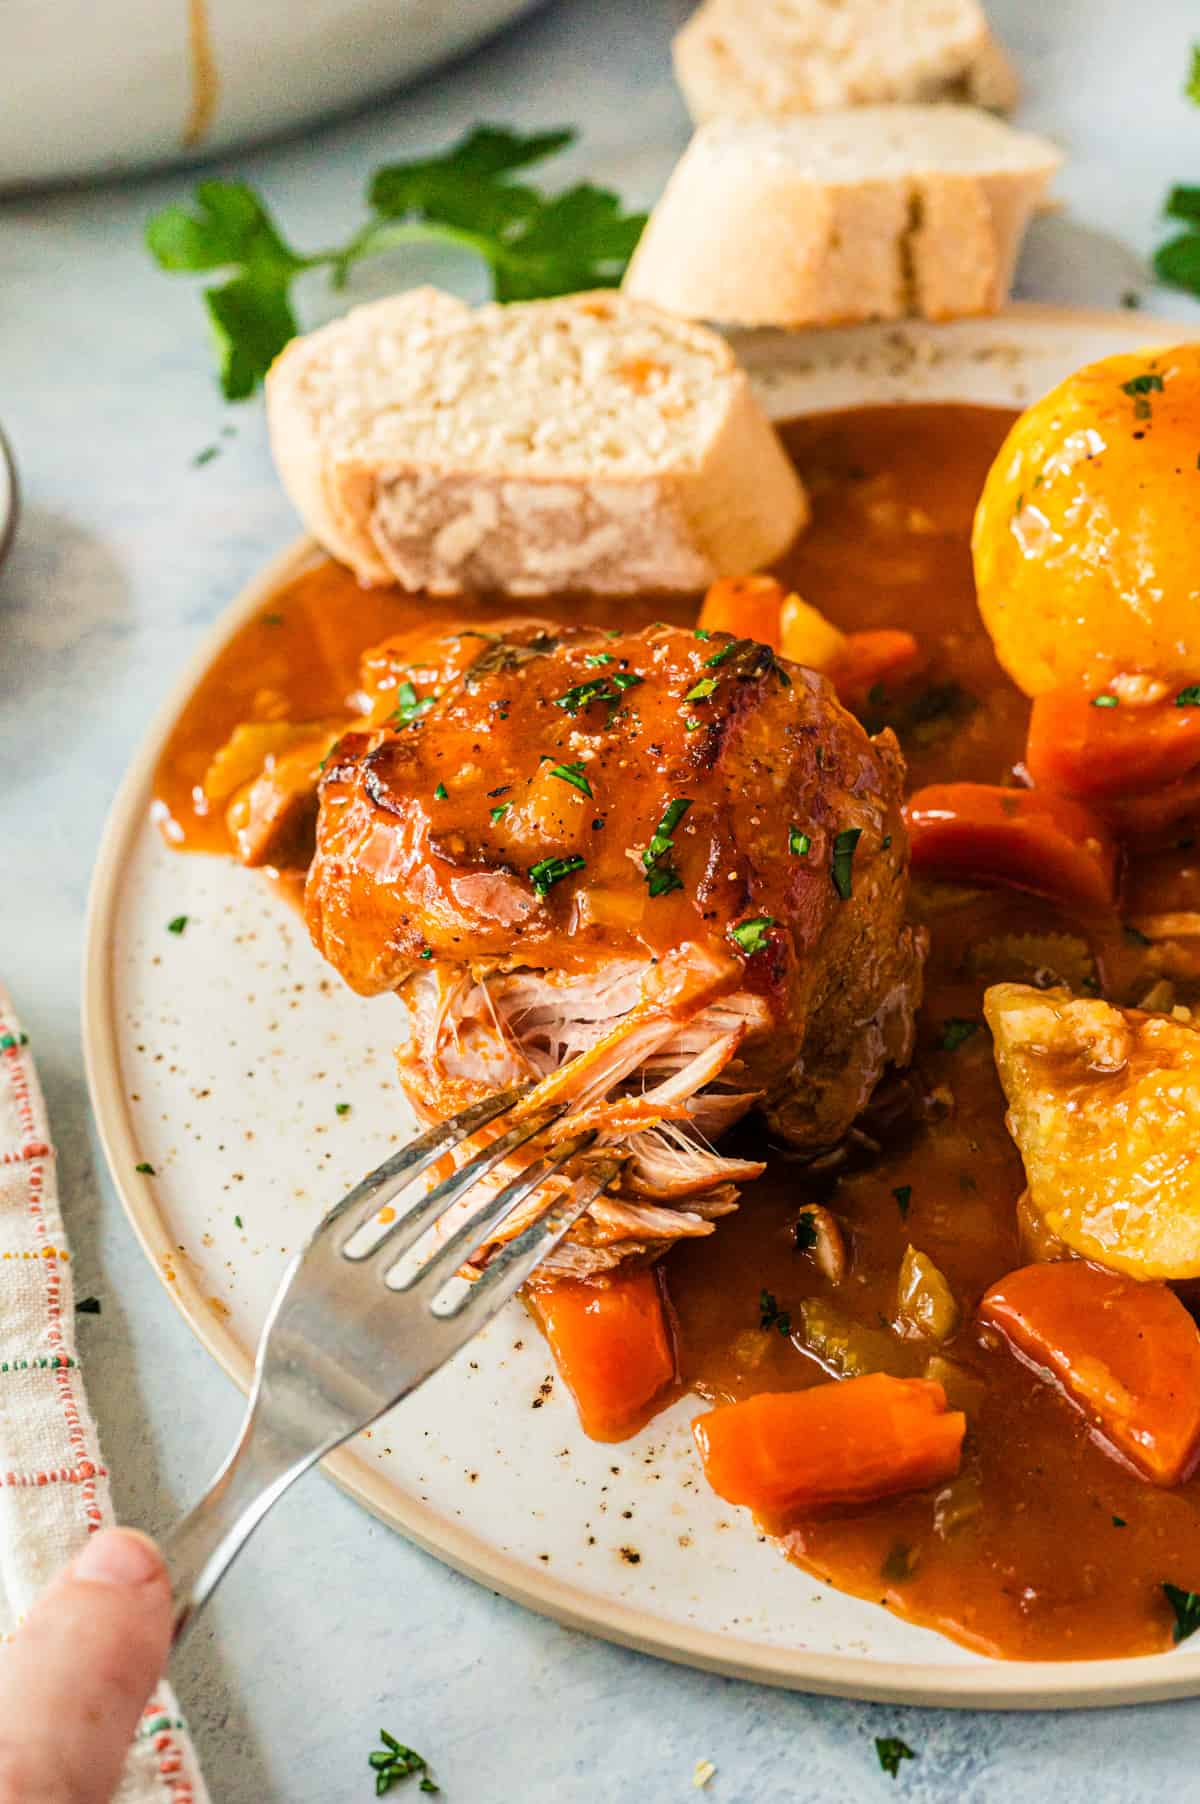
[662, 876]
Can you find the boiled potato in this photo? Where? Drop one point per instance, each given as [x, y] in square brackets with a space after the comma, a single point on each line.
[1104, 1105]
[1086, 532]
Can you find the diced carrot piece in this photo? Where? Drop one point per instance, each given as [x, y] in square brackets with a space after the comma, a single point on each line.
[870, 658]
[746, 606]
[1125, 1353]
[1100, 752]
[612, 1344]
[836, 1444]
[1027, 838]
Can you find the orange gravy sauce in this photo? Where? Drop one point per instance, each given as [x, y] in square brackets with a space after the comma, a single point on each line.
[1044, 1547]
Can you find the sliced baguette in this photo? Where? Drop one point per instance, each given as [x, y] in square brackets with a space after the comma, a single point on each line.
[827, 218]
[319, 390]
[589, 443]
[743, 59]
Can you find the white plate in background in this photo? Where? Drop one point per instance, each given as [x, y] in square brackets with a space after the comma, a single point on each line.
[97, 87]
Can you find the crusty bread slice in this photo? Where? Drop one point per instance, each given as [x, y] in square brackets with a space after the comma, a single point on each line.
[322, 386]
[870, 213]
[589, 443]
[743, 59]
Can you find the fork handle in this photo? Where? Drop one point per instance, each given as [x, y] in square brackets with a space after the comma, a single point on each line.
[201, 1548]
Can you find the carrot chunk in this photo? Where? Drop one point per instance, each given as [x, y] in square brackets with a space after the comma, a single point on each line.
[836, 1444]
[1100, 752]
[746, 606]
[1027, 838]
[612, 1344]
[1126, 1354]
[869, 658]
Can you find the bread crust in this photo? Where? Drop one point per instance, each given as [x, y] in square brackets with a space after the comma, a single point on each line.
[752, 230]
[726, 500]
[745, 59]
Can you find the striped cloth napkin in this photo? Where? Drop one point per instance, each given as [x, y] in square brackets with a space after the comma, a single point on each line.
[53, 1484]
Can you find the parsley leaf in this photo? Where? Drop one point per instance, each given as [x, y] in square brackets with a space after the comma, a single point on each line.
[408, 706]
[1192, 85]
[956, 1031]
[177, 925]
[549, 871]
[1148, 383]
[441, 793]
[770, 1315]
[804, 1231]
[574, 775]
[533, 244]
[1189, 697]
[752, 936]
[842, 868]
[499, 812]
[393, 1762]
[799, 844]
[1186, 1605]
[661, 874]
[903, 1196]
[1104, 701]
[891, 1751]
[701, 691]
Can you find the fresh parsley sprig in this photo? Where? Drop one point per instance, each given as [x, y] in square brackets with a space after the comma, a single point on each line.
[534, 244]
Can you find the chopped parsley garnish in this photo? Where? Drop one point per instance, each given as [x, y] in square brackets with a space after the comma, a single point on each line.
[574, 775]
[1119, 1522]
[237, 1221]
[903, 1196]
[427, 953]
[842, 867]
[499, 812]
[1104, 701]
[1189, 697]
[549, 871]
[956, 1031]
[719, 656]
[661, 874]
[502, 655]
[410, 706]
[88, 1306]
[146, 1169]
[891, 1751]
[700, 692]
[1186, 1605]
[692, 724]
[441, 793]
[598, 689]
[600, 657]
[178, 924]
[752, 936]
[341, 1108]
[804, 1231]
[702, 632]
[799, 844]
[1149, 383]
[770, 1315]
[393, 1762]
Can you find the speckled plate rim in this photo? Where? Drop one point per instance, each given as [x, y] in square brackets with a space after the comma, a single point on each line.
[996, 1684]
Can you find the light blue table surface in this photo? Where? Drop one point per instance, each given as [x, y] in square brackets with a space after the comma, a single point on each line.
[127, 551]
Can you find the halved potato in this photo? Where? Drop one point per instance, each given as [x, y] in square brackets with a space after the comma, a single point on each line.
[1104, 1104]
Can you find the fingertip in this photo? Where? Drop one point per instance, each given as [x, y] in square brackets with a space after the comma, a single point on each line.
[119, 1556]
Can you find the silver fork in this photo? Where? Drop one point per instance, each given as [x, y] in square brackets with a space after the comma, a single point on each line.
[342, 1343]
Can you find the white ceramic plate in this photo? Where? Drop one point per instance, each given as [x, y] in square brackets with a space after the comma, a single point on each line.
[218, 1056]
